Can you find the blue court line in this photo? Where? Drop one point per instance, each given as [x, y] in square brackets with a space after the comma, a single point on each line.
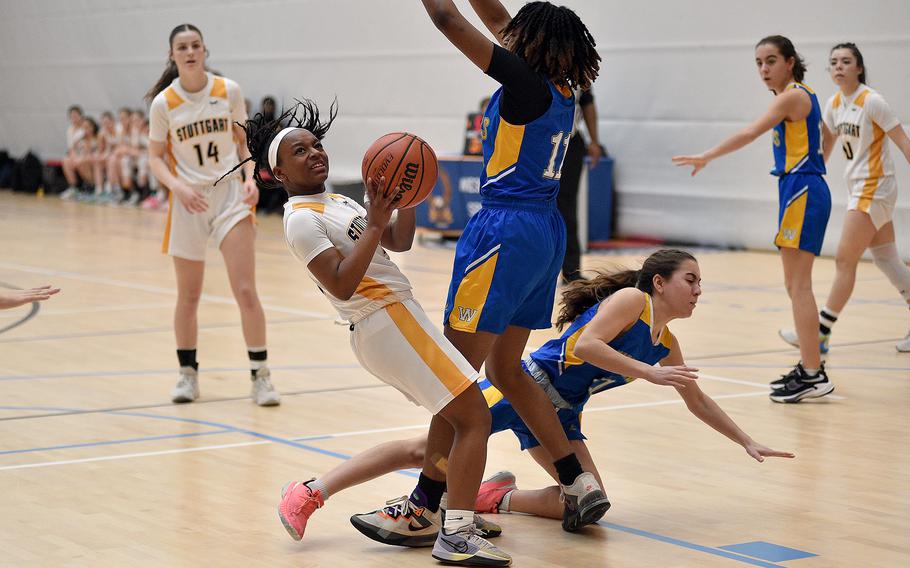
[221, 429]
[111, 442]
[135, 373]
[690, 545]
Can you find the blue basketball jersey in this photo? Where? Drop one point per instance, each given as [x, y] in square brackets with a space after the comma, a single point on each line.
[576, 380]
[525, 161]
[798, 145]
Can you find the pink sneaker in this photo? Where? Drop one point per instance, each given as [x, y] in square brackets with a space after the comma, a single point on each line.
[297, 504]
[492, 491]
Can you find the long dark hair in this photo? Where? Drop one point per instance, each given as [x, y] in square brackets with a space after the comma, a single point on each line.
[582, 294]
[856, 53]
[170, 71]
[785, 47]
[260, 130]
[555, 42]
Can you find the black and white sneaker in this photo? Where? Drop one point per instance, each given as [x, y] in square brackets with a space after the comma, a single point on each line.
[584, 502]
[400, 523]
[797, 385]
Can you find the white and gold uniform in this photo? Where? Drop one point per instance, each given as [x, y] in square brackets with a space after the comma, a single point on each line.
[861, 122]
[198, 130]
[390, 333]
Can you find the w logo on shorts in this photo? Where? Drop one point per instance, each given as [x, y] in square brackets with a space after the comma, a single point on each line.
[466, 314]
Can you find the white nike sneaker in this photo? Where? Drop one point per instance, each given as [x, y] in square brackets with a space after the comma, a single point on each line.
[904, 345]
[262, 391]
[187, 389]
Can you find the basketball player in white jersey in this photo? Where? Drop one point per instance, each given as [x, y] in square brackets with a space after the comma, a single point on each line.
[861, 119]
[343, 247]
[192, 143]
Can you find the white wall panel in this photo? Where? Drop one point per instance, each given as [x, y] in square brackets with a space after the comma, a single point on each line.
[677, 77]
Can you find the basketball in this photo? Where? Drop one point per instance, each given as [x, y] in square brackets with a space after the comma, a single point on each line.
[407, 162]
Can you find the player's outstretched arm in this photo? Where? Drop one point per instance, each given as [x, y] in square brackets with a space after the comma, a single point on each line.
[468, 39]
[15, 298]
[704, 407]
[493, 15]
[784, 106]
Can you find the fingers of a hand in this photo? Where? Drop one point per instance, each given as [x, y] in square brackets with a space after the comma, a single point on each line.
[777, 454]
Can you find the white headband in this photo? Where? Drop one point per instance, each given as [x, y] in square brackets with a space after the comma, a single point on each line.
[276, 141]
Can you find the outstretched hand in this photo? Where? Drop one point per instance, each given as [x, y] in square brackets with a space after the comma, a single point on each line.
[15, 298]
[673, 375]
[760, 452]
[697, 162]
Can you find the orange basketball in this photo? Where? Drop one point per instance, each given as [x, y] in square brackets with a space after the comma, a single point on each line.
[407, 162]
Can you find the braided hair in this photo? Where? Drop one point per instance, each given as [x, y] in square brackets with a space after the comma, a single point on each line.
[261, 130]
[555, 42]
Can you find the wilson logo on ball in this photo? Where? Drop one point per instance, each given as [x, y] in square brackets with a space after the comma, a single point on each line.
[407, 163]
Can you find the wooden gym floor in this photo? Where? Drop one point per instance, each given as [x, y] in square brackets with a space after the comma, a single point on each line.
[98, 468]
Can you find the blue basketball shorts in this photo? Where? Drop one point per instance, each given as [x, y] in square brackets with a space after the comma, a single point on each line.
[506, 418]
[507, 262]
[804, 209]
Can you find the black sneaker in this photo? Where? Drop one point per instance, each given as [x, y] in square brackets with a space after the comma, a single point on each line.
[797, 385]
[798, 372]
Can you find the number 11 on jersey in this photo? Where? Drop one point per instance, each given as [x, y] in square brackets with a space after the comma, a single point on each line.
[558, 139]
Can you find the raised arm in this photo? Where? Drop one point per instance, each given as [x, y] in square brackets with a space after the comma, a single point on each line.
[613, 318]
[399, 235]
[493, 15]
[789, 105]
[704, 407]
[468, 39]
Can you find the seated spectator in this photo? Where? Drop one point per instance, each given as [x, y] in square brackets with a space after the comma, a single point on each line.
[107, 139]
[119, 143]
[87, 151]
[70, 160]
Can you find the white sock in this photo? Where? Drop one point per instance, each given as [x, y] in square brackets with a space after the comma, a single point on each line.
[319, 485]
[889, 262]
[505, 502]
[457, 519]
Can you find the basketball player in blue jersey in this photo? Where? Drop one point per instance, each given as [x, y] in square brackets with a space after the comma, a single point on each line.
[804, 199]
[509, 256]
[617, 330]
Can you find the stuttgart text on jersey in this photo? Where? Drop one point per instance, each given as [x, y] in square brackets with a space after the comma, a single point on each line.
[848, 129]
[207, 126]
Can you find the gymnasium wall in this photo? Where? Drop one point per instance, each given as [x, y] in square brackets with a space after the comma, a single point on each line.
[677, 77]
